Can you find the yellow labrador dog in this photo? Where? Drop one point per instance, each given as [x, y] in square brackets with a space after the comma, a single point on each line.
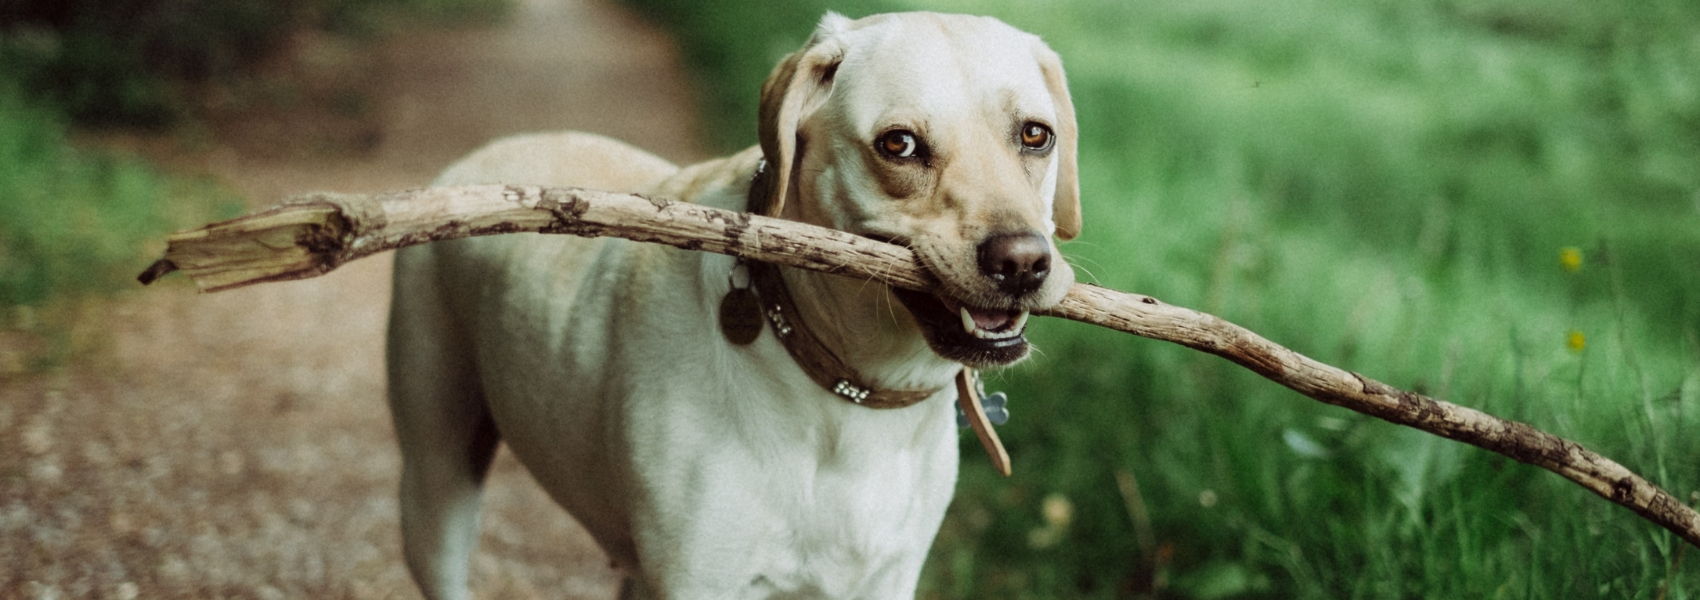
[731, 430]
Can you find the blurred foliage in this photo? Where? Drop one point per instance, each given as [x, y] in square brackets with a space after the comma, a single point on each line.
[127, 62]
[73, 221]
[76, 220]
[1496, 202]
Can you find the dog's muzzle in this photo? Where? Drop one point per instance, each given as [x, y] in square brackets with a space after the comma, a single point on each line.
[972, 335]
[989, 332]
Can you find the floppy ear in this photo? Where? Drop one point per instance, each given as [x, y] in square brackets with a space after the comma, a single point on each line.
[794, 90]
[1066, 211]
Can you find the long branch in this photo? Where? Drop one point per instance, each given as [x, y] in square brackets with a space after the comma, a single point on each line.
[315, 233]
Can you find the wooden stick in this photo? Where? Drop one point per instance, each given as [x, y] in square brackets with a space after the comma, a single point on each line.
[316, 233]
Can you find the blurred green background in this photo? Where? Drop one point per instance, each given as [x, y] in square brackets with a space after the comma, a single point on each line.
[1494, 202]
[73, 219]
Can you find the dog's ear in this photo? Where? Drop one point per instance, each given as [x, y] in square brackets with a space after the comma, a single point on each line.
[795, 89]
[1066, 211]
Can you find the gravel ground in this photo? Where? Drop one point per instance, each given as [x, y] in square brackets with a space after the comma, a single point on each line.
[237, 444]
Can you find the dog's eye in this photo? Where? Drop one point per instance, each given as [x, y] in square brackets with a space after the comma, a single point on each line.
[1036, 137]
[899, 143]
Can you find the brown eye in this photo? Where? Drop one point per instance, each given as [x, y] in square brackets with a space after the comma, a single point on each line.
[1036, 137]
[899, 143]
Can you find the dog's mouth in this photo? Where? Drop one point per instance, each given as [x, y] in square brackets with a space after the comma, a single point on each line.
[972, 335]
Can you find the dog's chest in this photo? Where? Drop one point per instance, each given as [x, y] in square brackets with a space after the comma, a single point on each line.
[846, 512]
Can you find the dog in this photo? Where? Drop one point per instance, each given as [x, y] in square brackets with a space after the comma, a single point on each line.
[734, 430]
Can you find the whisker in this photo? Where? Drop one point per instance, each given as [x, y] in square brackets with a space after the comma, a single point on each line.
[1078, 267]
[890, 310]
[1084, 259]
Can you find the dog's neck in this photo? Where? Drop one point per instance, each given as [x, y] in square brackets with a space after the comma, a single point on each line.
[883, 361]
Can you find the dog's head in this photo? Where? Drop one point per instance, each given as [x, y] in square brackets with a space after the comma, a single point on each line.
[951, 134]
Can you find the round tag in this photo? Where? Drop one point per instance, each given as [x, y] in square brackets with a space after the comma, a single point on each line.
[740, 316]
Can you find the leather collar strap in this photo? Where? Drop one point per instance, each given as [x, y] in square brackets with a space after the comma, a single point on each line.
[817, 360]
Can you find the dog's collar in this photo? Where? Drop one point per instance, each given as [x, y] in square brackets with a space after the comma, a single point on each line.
[825, 367]
[821, 364]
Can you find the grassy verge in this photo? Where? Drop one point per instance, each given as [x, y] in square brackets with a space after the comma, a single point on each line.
[74, 221]
[1492, 202]
[77, 221]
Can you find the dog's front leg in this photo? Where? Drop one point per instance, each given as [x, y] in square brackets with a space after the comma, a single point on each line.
[703, 535]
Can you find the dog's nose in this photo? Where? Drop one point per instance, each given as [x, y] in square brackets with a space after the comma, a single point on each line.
[1017, 262]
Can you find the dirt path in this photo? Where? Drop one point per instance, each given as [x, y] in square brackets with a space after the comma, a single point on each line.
[237, 444]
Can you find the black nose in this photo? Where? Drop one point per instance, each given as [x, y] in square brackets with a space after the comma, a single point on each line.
[1017, 263]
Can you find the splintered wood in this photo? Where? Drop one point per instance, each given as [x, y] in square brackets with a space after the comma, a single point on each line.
[315, 233]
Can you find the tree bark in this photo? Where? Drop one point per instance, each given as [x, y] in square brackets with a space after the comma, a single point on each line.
[315, 233]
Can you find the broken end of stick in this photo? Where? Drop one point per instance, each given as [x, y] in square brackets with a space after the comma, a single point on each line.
[292, 241]
[158, 269]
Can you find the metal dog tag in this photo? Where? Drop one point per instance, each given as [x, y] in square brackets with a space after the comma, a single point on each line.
[995, 405]
[740, 310]
[740, 317]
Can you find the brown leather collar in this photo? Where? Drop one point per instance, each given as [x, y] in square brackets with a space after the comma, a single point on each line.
[817, 360]
[821, 364]
[826, 368]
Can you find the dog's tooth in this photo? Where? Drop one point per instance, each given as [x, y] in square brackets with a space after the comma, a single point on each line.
[968, 321]
[1020, 322]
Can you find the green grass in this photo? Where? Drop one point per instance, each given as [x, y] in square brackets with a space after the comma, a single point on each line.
[1385, 186]
[76, 221]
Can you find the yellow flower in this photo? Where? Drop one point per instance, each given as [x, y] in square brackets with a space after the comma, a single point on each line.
[1570, 257]
[1576, 341]
[1058, 511]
